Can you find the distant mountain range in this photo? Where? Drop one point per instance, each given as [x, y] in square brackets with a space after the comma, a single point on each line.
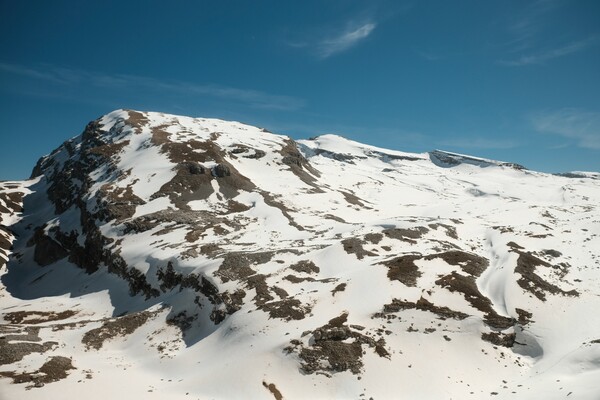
[168, 257]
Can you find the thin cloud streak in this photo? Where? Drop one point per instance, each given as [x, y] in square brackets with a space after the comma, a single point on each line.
[73, 77]
[551, 54]
[581, 126]
[345, 40]
[526, 26]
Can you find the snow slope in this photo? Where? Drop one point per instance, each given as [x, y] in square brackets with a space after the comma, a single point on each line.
[161, 256]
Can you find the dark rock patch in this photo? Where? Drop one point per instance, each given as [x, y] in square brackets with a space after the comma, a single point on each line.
[354, 200]
[551, 253]
[423, 305]
[406, 235]
[355, 246]
[273, 389]
[26, 340]
[374, 238]
[450, 230]
[299, 165]
[532, 282]
[336, 347]
[271, 201]
[287, 309]
[499, 338]
[297, 279]
[305, 266]
[117, 203]
[47, 251]
[115, 327]
[221, 171]
[236, 266]
[25, 317]
[339, 288]
[404, 269]
[466, 285]
[472, 264]
[54, 369]
[182, 320]
[524, 316]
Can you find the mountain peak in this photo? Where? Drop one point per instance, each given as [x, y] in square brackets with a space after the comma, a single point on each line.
[208, 252]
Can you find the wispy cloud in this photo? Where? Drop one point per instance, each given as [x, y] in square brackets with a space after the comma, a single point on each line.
[580, 126]
[525, 26]
[344, 40]
[533, 35]
[544, 56]
[326, 43]
[479, 142]
[74, 78]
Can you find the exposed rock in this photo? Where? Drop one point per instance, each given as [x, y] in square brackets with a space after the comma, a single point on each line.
[499, 339]
[355, 246]
[404, 269]
[16, 343]
[115, 327]
[407, 235]
[423, 305]
[221, 171]
[532, 282]
[337, 347]
[47, 251]
[305, 266]
[54, 369]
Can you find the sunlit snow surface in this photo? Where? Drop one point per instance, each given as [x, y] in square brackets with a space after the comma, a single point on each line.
[471, 205]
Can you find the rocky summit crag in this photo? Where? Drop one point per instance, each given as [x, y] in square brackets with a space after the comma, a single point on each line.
[160, 256]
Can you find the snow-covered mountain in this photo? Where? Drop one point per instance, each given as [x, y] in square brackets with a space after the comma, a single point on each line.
[160, 256]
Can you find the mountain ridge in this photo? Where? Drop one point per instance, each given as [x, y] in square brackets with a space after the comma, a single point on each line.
[168, 239]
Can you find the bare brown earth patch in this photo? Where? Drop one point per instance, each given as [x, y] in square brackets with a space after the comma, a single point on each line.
[136, 120]
[53, 370]
[37, 317]
[236, 266]
[450, 230]
[17, 342]
[109, 149]
[355, 246]
[466, 285]
[374, 238]
[305, 266]
[470, 263]
[287, 309]
[299, 165]
[404, 269]
[499, 338]
[336, 347]
[532, 282]
[524, 316]
[423, 305]
[354, 200]
[115, 327]
[406, 235]
[273, 389]
[192, 180]
[339, 288]
[117, 203]
[271, 201]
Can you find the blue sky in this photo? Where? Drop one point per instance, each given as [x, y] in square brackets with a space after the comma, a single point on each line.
[510, 80]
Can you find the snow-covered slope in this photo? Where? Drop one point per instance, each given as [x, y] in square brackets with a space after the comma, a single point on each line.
[160, 256]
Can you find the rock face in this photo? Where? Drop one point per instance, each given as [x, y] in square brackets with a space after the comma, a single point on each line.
[210, 252]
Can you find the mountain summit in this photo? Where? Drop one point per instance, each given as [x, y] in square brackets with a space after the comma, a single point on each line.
[172, 257]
